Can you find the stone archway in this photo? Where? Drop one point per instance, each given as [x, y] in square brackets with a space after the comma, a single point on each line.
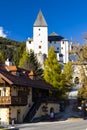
[76, 80]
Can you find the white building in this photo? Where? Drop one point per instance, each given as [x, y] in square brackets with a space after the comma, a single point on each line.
[41, 41]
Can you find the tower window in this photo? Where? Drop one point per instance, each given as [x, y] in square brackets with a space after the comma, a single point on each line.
[30, 42]
[57, 48]
[39, 29]
[60, 55]
[30, 50]
[39, 47]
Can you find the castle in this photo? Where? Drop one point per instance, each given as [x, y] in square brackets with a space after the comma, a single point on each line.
[41, 41]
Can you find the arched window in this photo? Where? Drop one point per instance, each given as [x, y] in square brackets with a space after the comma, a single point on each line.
[76, 81]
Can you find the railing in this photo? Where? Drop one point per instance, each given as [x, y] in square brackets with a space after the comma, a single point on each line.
[5, 100]
[32, 112]
[46, 99]
[13, 100]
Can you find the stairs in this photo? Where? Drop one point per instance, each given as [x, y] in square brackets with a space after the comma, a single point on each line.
[28, 118]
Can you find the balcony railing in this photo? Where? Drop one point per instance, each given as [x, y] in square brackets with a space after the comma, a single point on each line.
[13, 100]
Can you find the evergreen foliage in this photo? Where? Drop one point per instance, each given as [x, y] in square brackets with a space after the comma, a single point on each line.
[68, 72]
[29, 61]
[11, 49]
[52, 73]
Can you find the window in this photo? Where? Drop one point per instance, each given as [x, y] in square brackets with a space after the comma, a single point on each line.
[30, 50]
[30, 42]
[60, 55]
[61, 47]
[39, 29]
[54, 42]
[0, 92]
[39, 47]
[63, 42]
[57, 48]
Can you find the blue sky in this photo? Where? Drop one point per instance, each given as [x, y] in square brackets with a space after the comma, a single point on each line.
[67, 18]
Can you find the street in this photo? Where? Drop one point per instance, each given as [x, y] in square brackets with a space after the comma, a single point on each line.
[59, 125]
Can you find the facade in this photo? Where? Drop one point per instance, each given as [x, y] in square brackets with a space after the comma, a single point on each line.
[41, 41]
[80, 70]
[21, 94]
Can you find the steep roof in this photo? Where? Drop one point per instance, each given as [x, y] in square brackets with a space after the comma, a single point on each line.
[23, 80]
[55, 37]
[40, 20]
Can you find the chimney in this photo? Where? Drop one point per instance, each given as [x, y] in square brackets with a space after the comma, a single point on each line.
[31, 75]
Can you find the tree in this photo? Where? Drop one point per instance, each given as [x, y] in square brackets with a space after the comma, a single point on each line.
[52, 72]
[17, 54]
[68, 72]
[23, 60]
[29, 61]
[82, 92]
[1, 57]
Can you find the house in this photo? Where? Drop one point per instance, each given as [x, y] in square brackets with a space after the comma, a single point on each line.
[23, 95]
[41, 41]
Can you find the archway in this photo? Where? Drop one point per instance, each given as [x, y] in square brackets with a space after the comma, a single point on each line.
[76, 81]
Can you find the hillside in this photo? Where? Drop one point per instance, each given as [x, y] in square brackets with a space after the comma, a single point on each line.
[11, 49]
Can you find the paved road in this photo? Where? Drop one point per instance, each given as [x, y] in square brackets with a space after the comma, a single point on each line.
[74, 92]
[61, 125]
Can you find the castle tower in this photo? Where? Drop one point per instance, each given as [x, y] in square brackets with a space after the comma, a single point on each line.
[40, 35]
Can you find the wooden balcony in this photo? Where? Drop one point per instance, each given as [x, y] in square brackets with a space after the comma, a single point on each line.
[13, 100]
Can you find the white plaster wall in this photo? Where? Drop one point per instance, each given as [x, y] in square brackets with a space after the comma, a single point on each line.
[29, 46]
[77, 72]
[64, 51]
[23, 109]
[40, 113]
[4, 116]
[40, 38]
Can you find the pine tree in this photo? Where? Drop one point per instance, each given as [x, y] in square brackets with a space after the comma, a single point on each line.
[68, 71]
[29, 61]
[52, 72]
[1, 57]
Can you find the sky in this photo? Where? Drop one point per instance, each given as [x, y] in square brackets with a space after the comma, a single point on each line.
[67, 18]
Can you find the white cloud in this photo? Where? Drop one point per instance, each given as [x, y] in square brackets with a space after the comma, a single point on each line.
[2, 34]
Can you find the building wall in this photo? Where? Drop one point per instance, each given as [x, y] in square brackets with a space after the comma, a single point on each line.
[40, 39]
[78, 72]
[64, 51]
[4, 116]
[40, 112]
[29, 45]
[14, 112]
[40, 44]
